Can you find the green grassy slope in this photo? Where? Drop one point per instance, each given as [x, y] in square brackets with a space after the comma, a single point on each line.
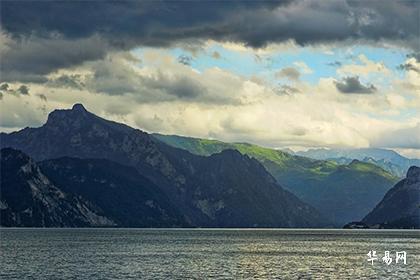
[342, 193]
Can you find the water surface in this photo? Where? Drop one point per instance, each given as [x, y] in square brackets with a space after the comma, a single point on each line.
[202, 253]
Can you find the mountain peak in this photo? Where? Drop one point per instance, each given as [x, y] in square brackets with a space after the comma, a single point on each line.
[355, 161]
[76, 115]
[78, 107]
[413, 173]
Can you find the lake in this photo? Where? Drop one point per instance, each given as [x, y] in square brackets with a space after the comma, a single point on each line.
[205, 253]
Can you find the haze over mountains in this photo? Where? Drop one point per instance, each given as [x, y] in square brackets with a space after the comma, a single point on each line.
[123, 172]
[387, 159]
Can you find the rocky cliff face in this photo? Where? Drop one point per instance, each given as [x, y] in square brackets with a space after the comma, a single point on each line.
[29, 198]
[400, 208]
[227, 189]
[126, 197]
[232, 190]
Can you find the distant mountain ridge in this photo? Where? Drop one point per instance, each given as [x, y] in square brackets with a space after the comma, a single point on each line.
[227, 189]
[400, 207]
[387, 159]
[342, 193]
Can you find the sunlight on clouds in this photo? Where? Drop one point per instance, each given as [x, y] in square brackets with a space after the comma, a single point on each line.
[303, 67]
[364, 67]
[288, 45]
[156, 93]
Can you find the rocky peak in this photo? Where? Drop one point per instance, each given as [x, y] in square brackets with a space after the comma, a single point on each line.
[79, 108]
[75, 116]
[238, 161]
[413, 174]
[355, 162]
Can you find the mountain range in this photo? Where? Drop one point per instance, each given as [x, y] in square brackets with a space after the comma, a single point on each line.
[342, 193]
[80, 170]
[96, 172]
[387, 159]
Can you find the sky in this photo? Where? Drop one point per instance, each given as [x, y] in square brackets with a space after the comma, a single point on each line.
[299, 74]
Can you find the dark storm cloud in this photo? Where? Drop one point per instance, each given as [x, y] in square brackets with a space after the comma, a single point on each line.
[116, 77]
[52, 35]
[14, 76]
[409, 67]
[29, 59]
[67, 81]
[334, 64]
[353, 85]
[4, 87]
[21, 90]
[289, 73]
[180, 87]
[185, 59]
[415, 55]
[124, 23]
[113, 77]
[162, 22]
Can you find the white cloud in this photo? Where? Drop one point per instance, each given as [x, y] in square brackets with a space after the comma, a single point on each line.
[229, 107]
[410, 153]
[406, 138]
[304, 68]
[364, 68]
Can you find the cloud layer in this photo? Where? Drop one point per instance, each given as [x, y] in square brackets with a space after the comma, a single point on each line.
[161, 23]
[162, 95]
[63, 34]
[169, 67]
